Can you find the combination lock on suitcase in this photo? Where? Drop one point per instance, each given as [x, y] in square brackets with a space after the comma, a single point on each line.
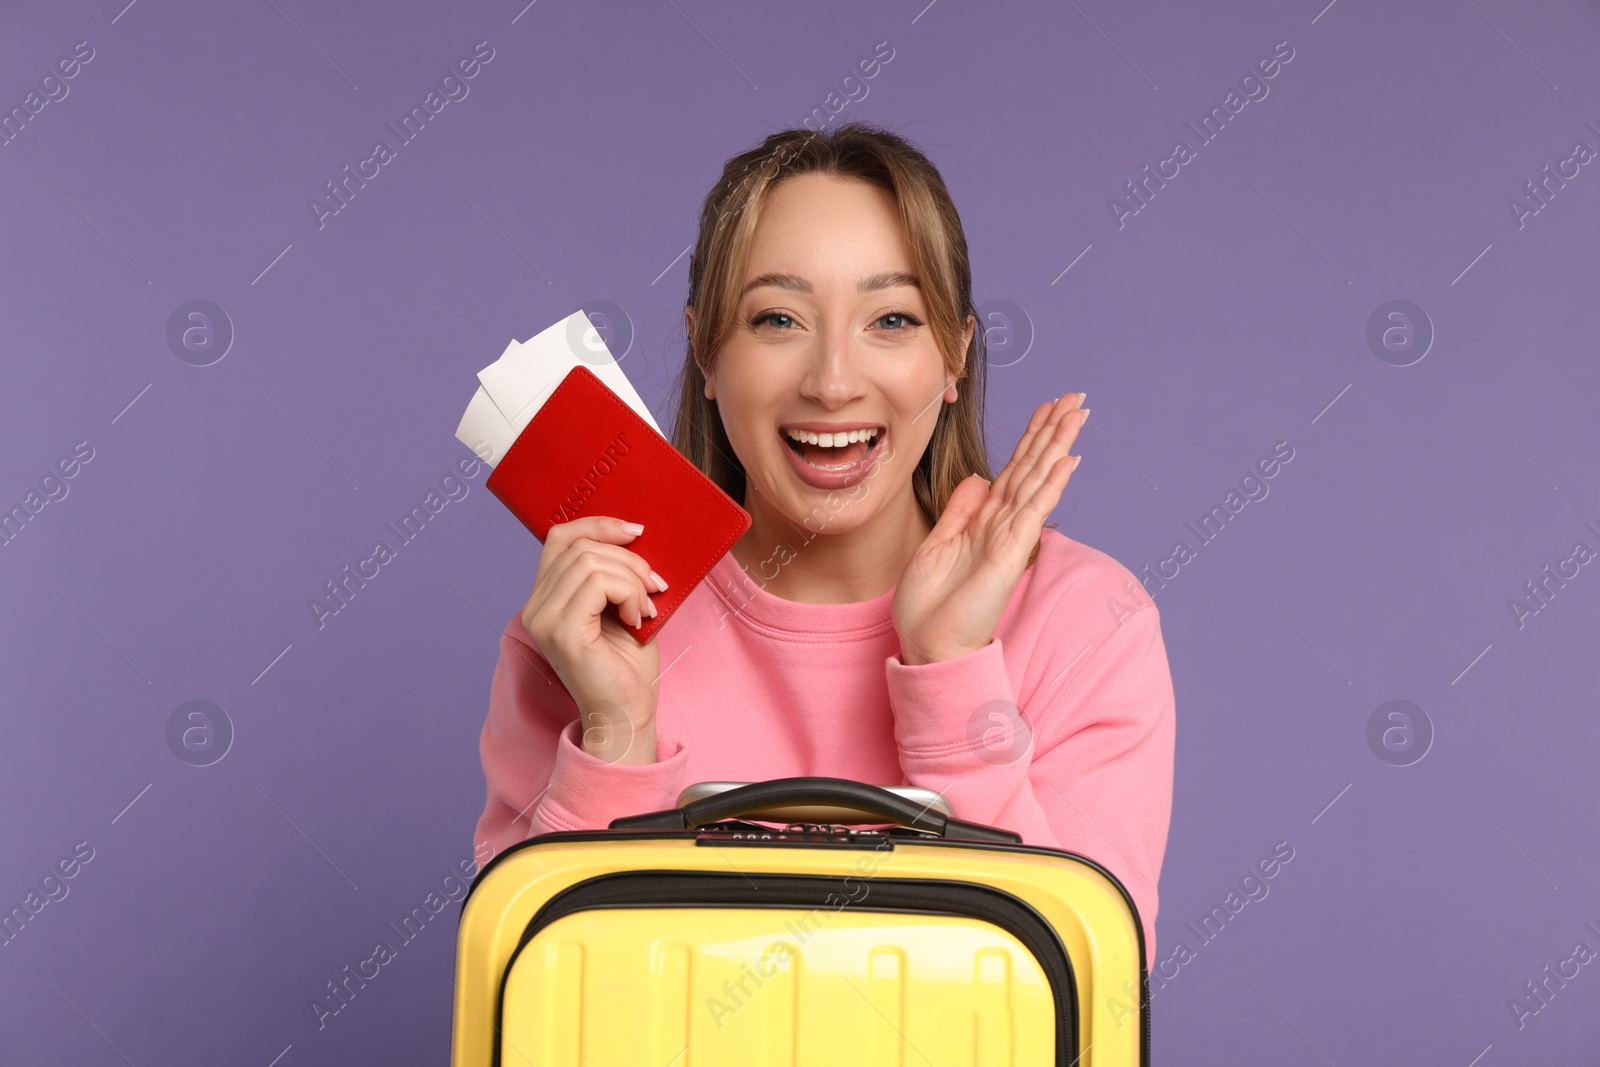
[699, 936]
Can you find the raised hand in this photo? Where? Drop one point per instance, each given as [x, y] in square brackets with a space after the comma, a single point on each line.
[957, 584]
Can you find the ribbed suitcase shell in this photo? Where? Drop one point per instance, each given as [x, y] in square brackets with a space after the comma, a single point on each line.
[744, 944]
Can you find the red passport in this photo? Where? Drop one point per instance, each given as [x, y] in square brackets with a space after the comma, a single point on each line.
[586, 452]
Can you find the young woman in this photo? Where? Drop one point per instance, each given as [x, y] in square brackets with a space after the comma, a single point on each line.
[894, 615]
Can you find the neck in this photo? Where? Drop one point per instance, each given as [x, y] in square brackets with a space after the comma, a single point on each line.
[806, 562]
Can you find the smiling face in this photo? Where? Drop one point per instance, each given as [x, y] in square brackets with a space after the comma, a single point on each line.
[830, 377]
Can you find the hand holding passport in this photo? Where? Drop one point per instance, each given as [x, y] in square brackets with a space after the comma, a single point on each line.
[569, 437]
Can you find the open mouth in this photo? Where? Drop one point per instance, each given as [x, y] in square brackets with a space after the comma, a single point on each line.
[834, 452]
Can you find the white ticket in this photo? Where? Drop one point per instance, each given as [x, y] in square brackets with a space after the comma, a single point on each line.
[514, 387]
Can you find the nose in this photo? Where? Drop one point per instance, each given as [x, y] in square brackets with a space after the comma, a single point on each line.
[832, 377]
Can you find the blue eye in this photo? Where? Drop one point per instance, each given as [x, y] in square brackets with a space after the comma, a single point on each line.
[908, 321]
[906, 315]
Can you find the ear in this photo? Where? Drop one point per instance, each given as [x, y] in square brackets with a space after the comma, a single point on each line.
[966, 343]
[688, 329]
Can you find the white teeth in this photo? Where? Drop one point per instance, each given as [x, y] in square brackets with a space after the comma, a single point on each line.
[832, 440]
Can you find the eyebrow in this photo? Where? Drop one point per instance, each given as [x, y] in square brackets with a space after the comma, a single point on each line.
[871, 283]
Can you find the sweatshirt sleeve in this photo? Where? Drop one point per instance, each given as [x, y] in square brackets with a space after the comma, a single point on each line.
[1084, 765]
[537, 774]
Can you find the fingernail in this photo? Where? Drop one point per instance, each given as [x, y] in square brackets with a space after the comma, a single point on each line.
[1075, 461]
[652, 607]
[633, 528]
[661, 583]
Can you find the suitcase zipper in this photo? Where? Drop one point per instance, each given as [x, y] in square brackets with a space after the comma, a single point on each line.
[656, 889]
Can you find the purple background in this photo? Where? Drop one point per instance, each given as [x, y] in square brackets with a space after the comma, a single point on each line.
[1228, 315]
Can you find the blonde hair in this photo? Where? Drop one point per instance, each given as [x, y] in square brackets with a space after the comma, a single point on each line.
[932, 227]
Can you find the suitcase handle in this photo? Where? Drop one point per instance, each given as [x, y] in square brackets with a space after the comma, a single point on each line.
[873, 803]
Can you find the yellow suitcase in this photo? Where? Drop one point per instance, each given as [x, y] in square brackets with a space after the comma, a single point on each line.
[709, 936]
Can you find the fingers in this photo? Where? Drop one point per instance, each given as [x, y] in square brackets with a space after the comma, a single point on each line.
[614, 553]
[592, 581]
[595, 527]
[1034, 443]
[601, 534]
[1038, 443]
[1055, 444]
[1041, 416]
[584, 567]
[1043, 499]
[581, 592]
[965, 501]
[1041, 491]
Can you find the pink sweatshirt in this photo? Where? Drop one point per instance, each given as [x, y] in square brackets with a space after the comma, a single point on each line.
[756, 687]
